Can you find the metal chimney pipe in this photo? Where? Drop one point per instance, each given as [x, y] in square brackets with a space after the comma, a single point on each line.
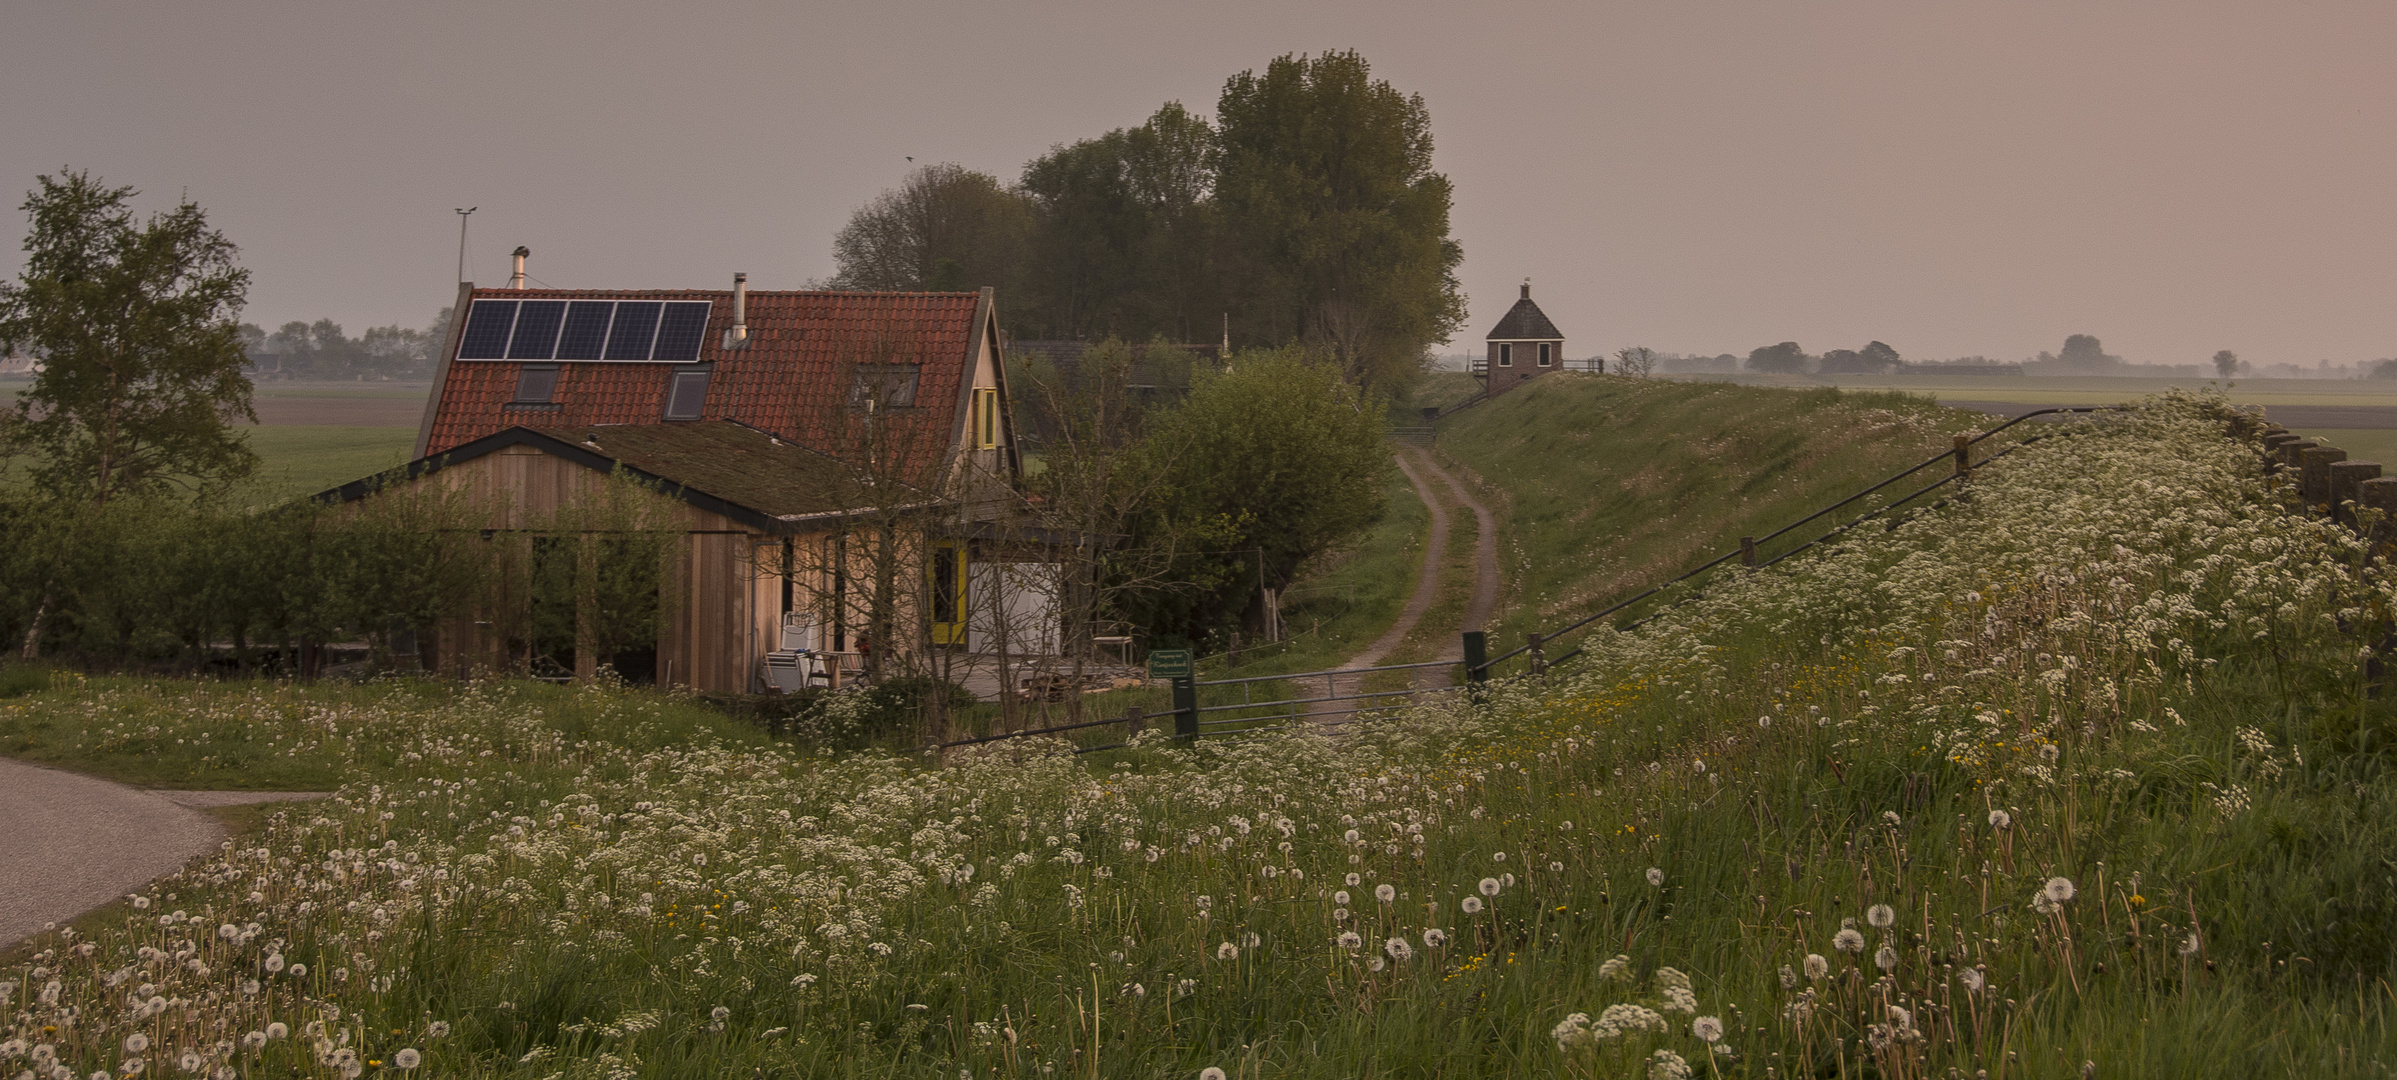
[738, 336]
[516, 280]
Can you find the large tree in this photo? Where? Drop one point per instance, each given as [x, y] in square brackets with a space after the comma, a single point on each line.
[1339, 224]
[944, 228]
[135, 324]
[1123, 234]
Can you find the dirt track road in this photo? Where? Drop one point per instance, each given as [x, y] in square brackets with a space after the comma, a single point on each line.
[72, 843]
[1417, 465]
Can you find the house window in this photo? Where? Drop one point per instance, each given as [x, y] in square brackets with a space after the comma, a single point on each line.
[686, 395]
[536, 384]
[986, 418]
[1545, 356]
[883, 386]
[946, 579]
[1506, 355]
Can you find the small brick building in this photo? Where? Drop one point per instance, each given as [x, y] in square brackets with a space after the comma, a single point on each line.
[1524, 344]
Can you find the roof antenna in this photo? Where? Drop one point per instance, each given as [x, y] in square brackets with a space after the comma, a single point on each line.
[737, 335]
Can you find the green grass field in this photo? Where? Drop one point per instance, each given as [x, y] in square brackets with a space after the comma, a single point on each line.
[296, 461]
[2083, 389]
[2077, 778]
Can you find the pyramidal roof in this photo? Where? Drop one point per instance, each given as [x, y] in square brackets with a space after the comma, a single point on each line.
[1525, 322]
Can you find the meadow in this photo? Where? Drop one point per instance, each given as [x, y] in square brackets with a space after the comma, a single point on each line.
[2082, 776]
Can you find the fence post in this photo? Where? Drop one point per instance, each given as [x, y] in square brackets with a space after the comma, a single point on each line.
[1964, 457]
[1747, 552]
[1539, 656]
[1135, 722]
[1185, 708]
[1477, 659]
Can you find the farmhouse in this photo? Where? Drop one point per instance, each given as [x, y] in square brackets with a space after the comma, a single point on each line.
[834, 473]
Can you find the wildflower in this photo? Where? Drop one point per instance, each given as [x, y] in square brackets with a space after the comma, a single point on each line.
[719, 1014]
[1848, 940]
[1671, 977]
[253, 1040]
[1573, 1031]
[407, 1058]
[279, 1029]
[274, 963]
[1973, 979]
[1385, 893]
[1656, 877]
[1555, 867]
[1349, 940]
[438, 1029]
[1498, 856]
[1210, 1073]
[1667, 1065]
[1881, 916]
[1227, 951]
[1680, 999]
[1789, 979]
[1354, 881]
[1707, 1028]
[1617, 968]
[1618, 1019]
[2189, 944]
[2000, 820]
[1433, 939]
[1470, 905]
[1886, 958]
[1489, 886]
[190, 1061]
[2058, 889]
[136, 1043]
[1340, 898]
[1398, 949]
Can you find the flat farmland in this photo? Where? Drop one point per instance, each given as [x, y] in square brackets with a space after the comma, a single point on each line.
[312, 436]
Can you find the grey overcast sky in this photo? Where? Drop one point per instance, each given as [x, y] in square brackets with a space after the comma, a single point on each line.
[1952, 178]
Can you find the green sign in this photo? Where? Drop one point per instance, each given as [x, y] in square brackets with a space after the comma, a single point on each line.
[1169, 663]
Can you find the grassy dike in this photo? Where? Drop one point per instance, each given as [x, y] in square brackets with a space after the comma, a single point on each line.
[1606, 485]
[2079, 777]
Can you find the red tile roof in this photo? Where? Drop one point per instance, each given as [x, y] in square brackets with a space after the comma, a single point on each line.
[793, 379]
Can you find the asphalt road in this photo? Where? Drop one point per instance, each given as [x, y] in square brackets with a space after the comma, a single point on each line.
[2293, 417]
[70, 843]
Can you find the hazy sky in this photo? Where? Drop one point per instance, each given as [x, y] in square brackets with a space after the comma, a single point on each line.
[1951, 178]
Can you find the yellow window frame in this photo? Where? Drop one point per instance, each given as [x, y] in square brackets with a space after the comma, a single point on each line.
[945, 586]
[986, 418]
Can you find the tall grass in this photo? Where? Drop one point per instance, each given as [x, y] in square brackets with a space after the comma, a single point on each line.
[2110, 702]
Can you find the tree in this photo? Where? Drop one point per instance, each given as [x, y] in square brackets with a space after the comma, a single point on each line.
[2226, 363]
[1337, 225]
[2084, 355]
[1635, 360]
[1277, 455]
[142, 360]
[1123, 232]
[944, 228]
[1880, 357]
[1783, 359]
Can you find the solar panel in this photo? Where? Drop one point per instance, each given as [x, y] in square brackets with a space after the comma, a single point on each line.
[487, 329]
[586, 335]
[636, 326]
[681, 331]
[536, 335]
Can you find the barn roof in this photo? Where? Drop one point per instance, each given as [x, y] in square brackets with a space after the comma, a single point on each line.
[740, 472]
[1525, 322]
[793, 379]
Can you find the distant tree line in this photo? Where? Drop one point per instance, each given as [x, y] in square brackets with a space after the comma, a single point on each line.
[1306, 211]
[320, 350]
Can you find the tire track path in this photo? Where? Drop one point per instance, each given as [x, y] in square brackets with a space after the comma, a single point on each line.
[1417, 465]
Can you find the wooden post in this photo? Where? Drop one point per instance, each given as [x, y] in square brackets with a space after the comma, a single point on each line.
[2313, 473]
[1539, 655]
[1233, 652]
[2346, 483]
[2381, 495]
[1477, 658]
[1135, 722]
[1964, 457]
[1185, 709]
[1747, 552]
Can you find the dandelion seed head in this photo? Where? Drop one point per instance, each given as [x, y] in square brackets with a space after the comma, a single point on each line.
[1489, 886]
[1470, 905]
[1385, 892]
[1656, 877]
[1848, 940]
[2059, 889]
[1707, 1028]
[1881, 915]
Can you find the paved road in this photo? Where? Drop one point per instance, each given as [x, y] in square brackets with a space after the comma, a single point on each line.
[72, 843]
[2293, 417]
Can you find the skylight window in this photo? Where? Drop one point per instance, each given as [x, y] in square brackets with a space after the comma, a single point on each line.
[536, 384]
[687, 395]
[884, 386]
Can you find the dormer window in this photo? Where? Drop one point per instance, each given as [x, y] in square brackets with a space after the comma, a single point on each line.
[1506, 355]
[687, 395]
